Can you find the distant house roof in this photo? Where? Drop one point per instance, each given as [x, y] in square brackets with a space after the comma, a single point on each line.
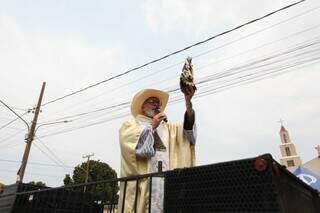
[313, 165]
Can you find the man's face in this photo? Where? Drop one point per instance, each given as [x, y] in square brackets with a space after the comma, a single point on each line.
[149, 107]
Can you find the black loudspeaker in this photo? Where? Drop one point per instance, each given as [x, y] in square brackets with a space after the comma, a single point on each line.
[55, 200]
[251, 185]
[8, 196]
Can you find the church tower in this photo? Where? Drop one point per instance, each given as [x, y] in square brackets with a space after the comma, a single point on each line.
[289, 158]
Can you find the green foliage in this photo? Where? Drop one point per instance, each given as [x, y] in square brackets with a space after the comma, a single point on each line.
[67, 180]
[38, 183]
[98, 171]
[1, 187]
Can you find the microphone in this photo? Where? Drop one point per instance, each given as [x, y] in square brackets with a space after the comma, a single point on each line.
[157, 110]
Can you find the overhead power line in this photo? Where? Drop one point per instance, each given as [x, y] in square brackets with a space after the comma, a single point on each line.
[173, 53]
[111, 108]
[258, 31]
[11, 136]
[7, 124]
[247, 66]
[33, 163]
[53, 154]
[200, 67]
[31, 173]
[11, 145]
[88, 125]
[157, 72]
[257, 75]
[17, 108]
[48, 156]
[55, 157]
[18, 116]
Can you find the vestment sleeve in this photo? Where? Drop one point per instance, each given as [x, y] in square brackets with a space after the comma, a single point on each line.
[129, 135]
[190, 128]
[182, 151]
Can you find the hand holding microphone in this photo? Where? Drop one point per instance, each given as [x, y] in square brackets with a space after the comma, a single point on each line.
[157, 110]
[160, 116]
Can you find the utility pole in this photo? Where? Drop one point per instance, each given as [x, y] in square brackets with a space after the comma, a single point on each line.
[87, 169]
[30, 138]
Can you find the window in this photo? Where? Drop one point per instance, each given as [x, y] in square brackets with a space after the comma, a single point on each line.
[290, 163]
[285, 138]
[288, 152]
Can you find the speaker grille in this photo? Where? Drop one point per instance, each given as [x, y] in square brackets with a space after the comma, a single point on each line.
[234, 186]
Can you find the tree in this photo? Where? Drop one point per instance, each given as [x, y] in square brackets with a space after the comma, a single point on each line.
[68, 180]
[98, 171]
[1, 187]
[38, 183]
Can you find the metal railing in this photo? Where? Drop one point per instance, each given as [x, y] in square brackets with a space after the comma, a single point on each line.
[72, 198]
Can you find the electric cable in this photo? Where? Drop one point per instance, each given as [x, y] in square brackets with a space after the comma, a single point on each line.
[247, 66]
[215, 62]
[53, 154]
[32, 163]
[174, 53]
[51, 158]
[18, 117]
[199, 94]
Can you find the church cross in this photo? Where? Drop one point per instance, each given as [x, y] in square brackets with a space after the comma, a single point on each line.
[281, 121]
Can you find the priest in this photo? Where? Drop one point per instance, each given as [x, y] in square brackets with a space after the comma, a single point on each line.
[147, 139]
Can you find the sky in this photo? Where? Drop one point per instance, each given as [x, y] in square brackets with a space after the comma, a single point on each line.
[73, 44]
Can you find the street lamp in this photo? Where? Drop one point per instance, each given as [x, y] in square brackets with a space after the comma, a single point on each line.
[30, 138]
[52, 123]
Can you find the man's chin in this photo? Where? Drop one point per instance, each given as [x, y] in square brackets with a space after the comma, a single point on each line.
[150, 114]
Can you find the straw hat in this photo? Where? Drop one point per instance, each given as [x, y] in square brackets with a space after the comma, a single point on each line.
[143, 95]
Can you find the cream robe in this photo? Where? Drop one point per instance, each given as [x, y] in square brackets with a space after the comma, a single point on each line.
[181, 154]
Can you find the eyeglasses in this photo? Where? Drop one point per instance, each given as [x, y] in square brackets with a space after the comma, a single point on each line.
[153, 102]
